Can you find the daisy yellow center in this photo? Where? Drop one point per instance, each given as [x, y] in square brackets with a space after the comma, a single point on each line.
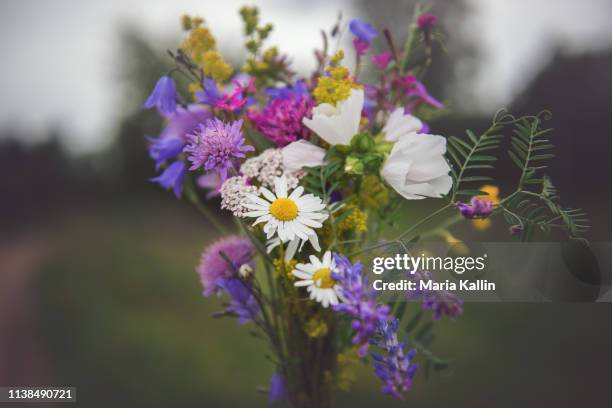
[322, 278]
[284, 209]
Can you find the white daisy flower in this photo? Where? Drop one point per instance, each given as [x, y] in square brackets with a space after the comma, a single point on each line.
[317, 278]
[289, 215]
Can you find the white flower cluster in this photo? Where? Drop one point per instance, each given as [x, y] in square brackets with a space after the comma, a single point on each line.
[233, 192]
[269, 165]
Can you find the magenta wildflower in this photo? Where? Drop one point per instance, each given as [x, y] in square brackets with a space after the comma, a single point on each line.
[281, 119]
[412, 87]
[426, 22]
[222, 260]
[163, 95]
[361, 47]
[476, 209]
[215, 146]
[382, 60]
[395, 368]
[359, 302]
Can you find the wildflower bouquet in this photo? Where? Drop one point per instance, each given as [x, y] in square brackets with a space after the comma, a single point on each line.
[314, 170]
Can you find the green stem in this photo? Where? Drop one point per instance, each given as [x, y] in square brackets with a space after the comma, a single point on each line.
[210, 217]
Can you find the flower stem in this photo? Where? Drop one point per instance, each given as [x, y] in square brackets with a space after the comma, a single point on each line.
[210, 217]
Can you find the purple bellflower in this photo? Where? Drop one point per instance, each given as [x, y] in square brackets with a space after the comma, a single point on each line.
[163, 96]
[277, 391]
[362, 30]
[172, 177]
[163, 149]
[243, 303]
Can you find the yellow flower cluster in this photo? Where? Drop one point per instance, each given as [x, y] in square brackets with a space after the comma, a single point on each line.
[316, 327]
[355, 221]
[289, 267]
[346, 369]
[201, 46]
[337, 86]
[215, 67]
[373, 193]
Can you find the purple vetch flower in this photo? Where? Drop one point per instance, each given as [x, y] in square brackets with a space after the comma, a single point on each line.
[427, 21]
[440, 302]
[476, 209]
[163, 149]
[215, 146]
[277, 391]
[362, 30]
[395, 368]
[163, 95]
[214, 267]
[281, 119]
[243, 303]
[172, 177]
[359, 301]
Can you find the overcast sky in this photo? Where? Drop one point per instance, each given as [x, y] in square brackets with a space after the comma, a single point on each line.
[59, 55]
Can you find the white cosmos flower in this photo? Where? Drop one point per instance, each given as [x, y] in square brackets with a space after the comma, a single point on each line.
[302, 154]
[337, 124]
[416, 167]
[290, 216]
[399, 124]
[317, 278]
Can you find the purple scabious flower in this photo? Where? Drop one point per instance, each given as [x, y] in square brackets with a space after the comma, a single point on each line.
[214, 267]
[362, 30]
[395, 368]
[243, 303]
[163, 149]
[172, 177]
[440, 302]
[277, 391]
[359, 302]
[163, 96]
[281, 119]
[215, 146]
[476, 209]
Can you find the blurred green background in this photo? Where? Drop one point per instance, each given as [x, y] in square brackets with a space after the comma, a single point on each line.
[97, 282]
